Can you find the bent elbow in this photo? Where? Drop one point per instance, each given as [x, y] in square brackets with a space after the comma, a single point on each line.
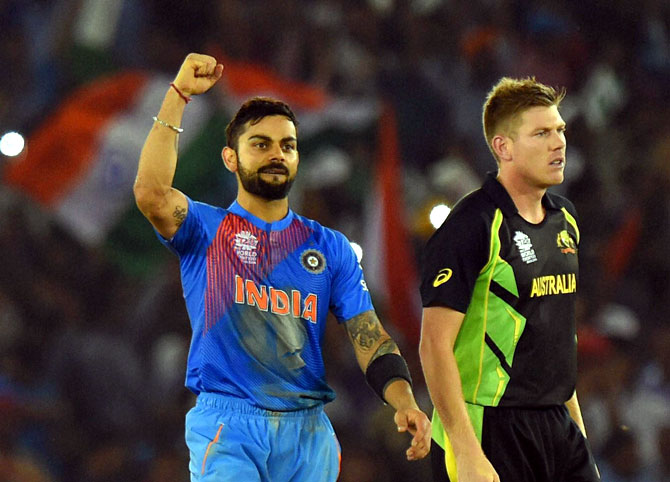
[148, 200]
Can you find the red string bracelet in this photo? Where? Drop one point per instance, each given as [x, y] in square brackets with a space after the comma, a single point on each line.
[186, 98]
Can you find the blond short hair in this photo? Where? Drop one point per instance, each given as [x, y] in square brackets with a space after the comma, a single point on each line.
[510, 98]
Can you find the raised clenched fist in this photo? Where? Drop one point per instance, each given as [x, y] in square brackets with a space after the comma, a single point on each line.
[197, 74]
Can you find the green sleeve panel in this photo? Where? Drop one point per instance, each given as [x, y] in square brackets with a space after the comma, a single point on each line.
[483, 375]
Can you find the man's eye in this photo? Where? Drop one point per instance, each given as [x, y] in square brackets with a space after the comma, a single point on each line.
[289, 147]
[261, 145]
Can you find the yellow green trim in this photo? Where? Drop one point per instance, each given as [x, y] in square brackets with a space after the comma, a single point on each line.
[494, 256]
[494, 248]
[450, 460]
[501, 385]
[569, 218]
[517, 325]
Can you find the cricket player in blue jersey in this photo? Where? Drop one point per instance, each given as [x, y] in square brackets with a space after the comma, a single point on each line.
[259, 281]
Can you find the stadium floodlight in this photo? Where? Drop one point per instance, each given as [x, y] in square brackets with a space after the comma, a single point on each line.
[358, 250]
[438, 214]
[12, 144]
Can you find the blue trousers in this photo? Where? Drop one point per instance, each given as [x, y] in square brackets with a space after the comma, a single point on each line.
[232, 441]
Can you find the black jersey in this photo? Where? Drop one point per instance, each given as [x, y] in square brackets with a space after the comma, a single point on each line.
[516, 282]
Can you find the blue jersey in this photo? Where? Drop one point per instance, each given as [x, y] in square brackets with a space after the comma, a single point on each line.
[258, 295]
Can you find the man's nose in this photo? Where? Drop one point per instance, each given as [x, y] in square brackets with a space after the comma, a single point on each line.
[276, 152]
[558, 140]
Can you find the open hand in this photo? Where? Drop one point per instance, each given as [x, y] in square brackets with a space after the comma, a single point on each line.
[415, 422]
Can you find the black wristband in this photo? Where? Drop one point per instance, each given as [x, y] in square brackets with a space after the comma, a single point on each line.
[384, 370]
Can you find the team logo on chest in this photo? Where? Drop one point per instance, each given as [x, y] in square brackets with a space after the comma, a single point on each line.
[245, 247]
[565, 243]
[525, 247]
[313, 261]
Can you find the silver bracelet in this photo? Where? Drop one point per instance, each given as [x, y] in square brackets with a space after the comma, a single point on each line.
[178, 130]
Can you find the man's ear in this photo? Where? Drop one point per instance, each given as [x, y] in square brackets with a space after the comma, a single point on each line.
[502, 146]
[229, 157]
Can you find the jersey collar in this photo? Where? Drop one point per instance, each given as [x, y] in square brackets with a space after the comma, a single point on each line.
[283, 223]
[501, 197]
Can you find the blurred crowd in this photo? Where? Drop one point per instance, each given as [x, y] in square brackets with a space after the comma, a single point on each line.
[92, 360]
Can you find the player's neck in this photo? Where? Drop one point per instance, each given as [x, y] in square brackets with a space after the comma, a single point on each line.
[269, 211]
[526, 198]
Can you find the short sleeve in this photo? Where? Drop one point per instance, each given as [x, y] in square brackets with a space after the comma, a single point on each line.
[349, 293]
[452, 260]
[191, 233]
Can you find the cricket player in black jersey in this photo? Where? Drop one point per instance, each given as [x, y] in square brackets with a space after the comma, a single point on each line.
[499, 282]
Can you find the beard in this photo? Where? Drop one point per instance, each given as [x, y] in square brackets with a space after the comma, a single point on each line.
[253, 183]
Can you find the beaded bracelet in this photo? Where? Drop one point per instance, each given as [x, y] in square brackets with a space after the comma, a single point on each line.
[178, 130]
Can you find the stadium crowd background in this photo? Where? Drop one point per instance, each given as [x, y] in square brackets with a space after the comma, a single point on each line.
[92, 357]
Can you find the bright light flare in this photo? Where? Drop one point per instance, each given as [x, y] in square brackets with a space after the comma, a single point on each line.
[438, 214]
[12, 144]
[358, 250]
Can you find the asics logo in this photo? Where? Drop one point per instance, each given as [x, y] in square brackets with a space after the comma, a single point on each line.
[442, 277]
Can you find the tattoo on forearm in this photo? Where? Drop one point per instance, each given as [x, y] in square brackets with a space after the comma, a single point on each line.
[179, 215]
[388, 346]
[365, 332]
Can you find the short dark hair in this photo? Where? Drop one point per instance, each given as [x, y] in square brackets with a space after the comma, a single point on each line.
[511, 97]
[253, 110]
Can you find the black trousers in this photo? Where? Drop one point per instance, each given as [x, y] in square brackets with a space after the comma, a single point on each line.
[530, 445]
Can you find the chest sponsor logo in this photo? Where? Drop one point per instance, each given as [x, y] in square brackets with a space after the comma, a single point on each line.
[442, 277]
[245, 247]
[554, 284]
[313, 261]
[565, 243]
[279, 302]
[525, 247]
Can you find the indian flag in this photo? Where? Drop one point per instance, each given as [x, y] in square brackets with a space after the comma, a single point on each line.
[81, 162]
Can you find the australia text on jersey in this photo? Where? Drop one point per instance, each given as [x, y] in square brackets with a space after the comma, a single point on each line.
[554, 284]
[275, 300]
